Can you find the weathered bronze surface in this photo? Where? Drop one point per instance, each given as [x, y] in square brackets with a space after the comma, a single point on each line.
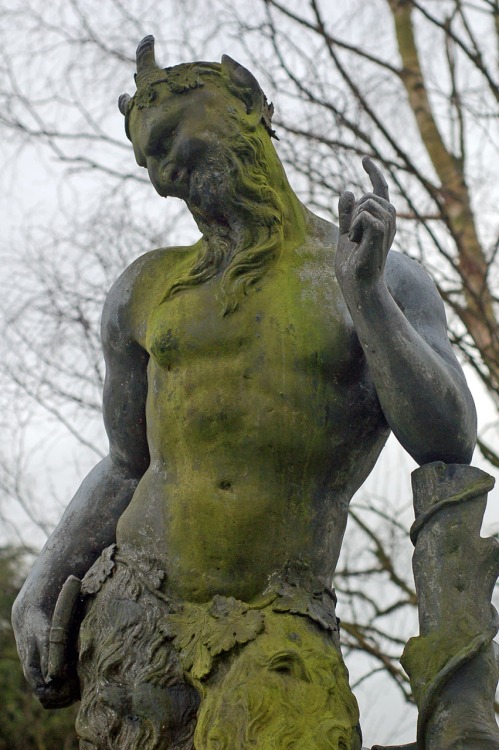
[452, 663]
[252, 380]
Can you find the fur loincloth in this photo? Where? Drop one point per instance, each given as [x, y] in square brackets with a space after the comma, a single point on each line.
[160, 674]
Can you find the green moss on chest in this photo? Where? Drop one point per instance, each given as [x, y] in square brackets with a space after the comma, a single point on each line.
[295, 316]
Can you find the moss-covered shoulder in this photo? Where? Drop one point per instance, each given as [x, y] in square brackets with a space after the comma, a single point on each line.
[139, 289]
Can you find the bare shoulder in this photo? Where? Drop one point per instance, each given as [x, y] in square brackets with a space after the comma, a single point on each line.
[136, 291]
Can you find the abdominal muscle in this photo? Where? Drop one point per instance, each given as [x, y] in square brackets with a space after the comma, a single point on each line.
[239, 487]
[213, 540]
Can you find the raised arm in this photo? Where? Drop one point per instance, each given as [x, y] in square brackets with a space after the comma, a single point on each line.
[401, 325]
[89, 522]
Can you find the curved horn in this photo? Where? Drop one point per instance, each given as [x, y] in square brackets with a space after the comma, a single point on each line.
[146, 61]
[123, 103]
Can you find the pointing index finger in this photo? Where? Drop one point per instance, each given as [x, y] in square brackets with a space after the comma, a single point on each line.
[378, 182]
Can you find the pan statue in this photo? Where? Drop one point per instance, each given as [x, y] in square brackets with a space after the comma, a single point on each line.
[252, 380]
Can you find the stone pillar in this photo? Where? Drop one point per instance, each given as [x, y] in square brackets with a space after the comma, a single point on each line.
[452, 664]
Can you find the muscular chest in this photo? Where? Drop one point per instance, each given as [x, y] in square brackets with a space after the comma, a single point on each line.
[295, 323]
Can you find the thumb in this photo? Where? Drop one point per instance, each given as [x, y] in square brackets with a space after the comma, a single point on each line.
[345, 210]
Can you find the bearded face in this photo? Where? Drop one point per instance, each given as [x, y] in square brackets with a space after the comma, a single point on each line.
[286, 689]
[202, 130]
[182, 140]
[181, 119]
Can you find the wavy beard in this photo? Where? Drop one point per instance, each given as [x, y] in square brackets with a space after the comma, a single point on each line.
[235, 180]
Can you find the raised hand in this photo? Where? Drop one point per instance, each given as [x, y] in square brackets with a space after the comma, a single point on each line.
[367, 229]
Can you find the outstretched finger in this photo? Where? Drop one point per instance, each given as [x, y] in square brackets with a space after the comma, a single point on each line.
[346, 205]
[378, 182]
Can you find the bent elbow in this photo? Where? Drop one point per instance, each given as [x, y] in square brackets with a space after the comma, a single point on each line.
[452, 439]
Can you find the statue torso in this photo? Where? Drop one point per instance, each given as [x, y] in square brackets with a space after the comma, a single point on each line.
[261, 425]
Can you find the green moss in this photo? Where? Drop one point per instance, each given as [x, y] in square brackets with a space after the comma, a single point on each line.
[287, 685]
[425, 656]
[246, 434]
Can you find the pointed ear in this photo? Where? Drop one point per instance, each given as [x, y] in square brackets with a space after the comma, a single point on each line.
[245, 86]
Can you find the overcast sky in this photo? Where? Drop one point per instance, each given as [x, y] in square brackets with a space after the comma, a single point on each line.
[34, 192]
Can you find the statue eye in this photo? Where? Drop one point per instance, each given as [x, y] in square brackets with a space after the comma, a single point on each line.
[159, 145]
[289, 663]
[154, 146]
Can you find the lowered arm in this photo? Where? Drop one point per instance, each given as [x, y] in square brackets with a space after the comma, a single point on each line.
[89, 522]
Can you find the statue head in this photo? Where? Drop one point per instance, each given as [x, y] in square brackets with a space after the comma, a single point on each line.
[288, 688]
[190, 103]
[203, 131]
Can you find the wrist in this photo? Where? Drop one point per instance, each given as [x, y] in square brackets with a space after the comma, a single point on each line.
[32, 596]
